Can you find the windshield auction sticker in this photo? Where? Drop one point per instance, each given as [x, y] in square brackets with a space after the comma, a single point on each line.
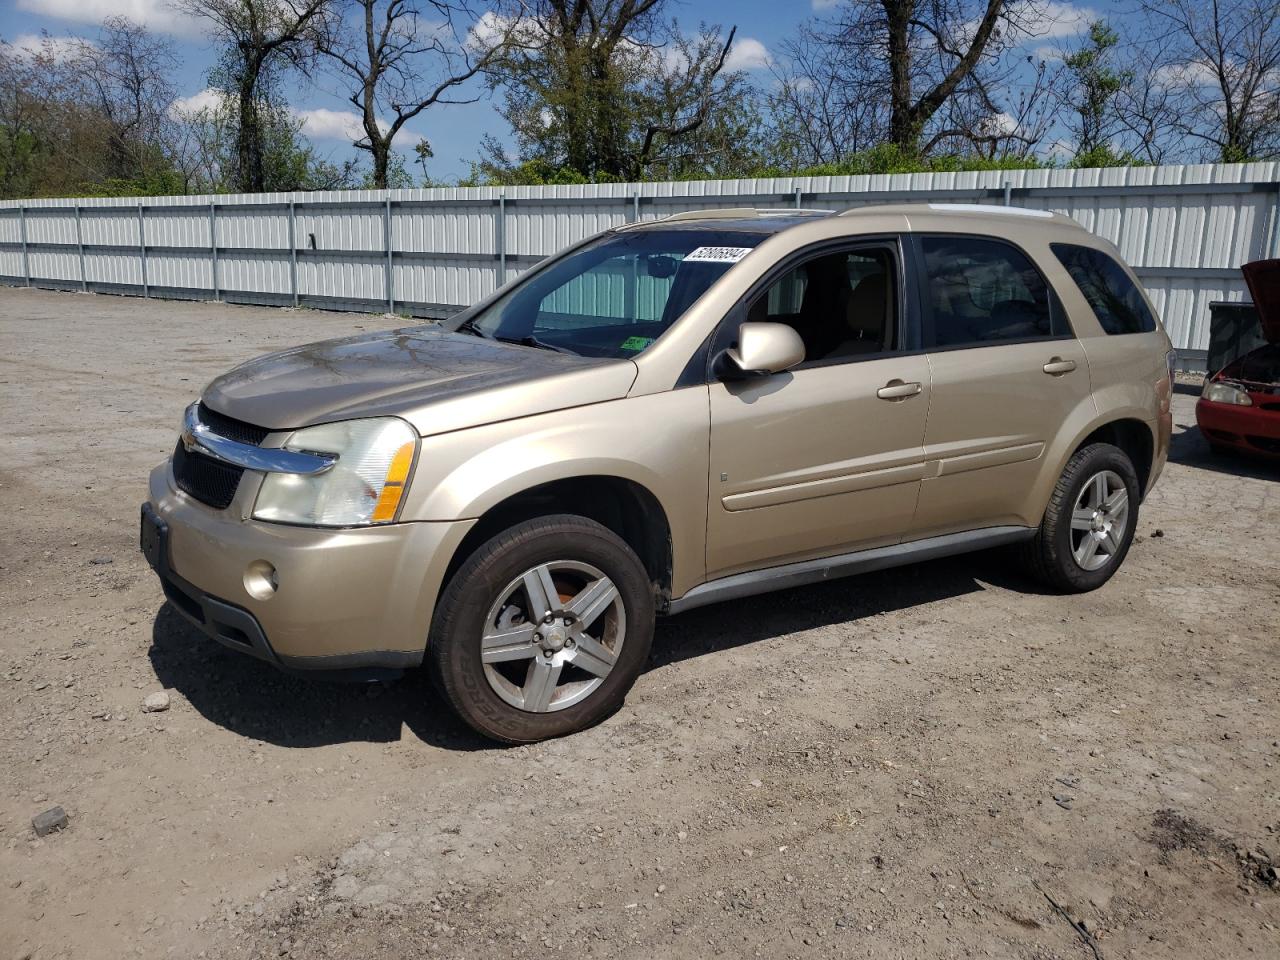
[717, 255]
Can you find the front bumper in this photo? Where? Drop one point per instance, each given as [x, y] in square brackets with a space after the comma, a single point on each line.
[346, 598]
[1253, 430]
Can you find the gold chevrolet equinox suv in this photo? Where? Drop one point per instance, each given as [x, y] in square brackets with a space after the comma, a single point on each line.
[668, 414]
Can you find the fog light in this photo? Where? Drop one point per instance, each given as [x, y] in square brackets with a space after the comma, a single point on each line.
[260, 580]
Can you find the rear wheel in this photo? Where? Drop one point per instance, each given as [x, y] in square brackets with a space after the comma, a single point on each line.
[1089, 524]
[543, 630]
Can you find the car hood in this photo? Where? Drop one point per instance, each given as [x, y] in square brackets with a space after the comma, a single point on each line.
[1263, 278]
[435, 379]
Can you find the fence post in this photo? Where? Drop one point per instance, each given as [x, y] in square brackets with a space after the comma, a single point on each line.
[386, 239]
[22, 228]
[142, 250]
[1008, 194]
[84, 283]
[501, 238]
[213, 246]
[293, 254]
[635, 205]
[799, 202]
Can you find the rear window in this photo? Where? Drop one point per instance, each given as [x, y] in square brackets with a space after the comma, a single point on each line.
[1115, 299]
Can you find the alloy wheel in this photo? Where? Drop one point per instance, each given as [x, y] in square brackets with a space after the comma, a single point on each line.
[553, 636]
[1099, 520]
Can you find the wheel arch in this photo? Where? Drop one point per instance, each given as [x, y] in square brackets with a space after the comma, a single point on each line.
[622, 505]
[1132, 435]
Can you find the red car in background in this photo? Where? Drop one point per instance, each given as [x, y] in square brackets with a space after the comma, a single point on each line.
[1239, 408]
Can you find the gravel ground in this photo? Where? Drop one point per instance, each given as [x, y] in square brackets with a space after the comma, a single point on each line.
[939, 760]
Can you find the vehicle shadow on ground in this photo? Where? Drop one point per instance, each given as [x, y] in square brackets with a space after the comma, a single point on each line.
[737, 623]
[257, 701]
[1189, 448]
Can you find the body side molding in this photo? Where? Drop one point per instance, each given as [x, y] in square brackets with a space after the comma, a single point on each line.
[829, 568]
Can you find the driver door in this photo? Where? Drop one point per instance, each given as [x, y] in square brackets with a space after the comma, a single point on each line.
[827, 457]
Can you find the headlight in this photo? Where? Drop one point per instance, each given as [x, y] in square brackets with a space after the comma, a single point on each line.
[364, 486]
[1222, 391]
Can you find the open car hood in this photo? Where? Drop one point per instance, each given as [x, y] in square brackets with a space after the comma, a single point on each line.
[1263, 278]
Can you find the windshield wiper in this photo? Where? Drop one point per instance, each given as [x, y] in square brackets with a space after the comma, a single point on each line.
[470, 327]
[532, 341]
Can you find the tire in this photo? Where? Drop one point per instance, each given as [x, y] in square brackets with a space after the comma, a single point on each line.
[529, 657]
[1051, 556]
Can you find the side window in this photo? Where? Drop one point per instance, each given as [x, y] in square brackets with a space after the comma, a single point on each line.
[1116, 301]
[983, 292]
[842, 304]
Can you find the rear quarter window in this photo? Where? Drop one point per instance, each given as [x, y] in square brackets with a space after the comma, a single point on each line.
[1114, 298]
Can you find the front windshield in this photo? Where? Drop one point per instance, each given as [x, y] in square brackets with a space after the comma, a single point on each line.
[616, 295]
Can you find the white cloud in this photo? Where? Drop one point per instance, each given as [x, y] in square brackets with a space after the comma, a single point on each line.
[319, 123]
[748, 54]
[1192, 74]
[491, 28]
[998, 125]
[157, 15]
[186, 107]
[60, 48]
[821, 5]
[325, 124]
[1053, 20]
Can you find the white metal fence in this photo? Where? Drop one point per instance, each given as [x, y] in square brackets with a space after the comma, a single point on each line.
[1185, 229]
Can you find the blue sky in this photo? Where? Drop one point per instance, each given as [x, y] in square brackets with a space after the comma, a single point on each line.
[455, 131]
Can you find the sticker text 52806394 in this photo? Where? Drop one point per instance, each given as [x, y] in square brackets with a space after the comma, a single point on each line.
[717, 255]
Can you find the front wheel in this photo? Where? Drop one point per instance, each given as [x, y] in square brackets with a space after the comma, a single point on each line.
[1089, 524]
[543, 630]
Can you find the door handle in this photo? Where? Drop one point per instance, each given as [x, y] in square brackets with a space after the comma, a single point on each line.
[1056, 367]
[898, 390]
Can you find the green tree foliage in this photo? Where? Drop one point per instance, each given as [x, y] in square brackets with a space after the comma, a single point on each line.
[607, 90]
[87, 117]
[1094, 84]
[289, 161]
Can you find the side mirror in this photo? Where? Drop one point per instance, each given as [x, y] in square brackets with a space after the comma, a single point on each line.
[763, 349]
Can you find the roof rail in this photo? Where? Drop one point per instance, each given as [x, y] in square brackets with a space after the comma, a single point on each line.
[719, 213]
[987, 209]
[739, 213]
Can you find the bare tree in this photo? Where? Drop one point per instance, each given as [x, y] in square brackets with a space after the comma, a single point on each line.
[1005, 110]
[922, 74]
[1146, 111]
[260, 38]
[126, 73]
[1220, 61]
[402, 57]
[816, 117]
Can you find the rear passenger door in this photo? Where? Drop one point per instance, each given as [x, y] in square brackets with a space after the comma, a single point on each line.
[1006, 371]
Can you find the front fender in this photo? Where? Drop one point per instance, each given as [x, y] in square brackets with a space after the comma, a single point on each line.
[657, 441]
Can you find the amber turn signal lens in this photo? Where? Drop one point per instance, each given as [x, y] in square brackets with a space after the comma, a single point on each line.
[393, 488]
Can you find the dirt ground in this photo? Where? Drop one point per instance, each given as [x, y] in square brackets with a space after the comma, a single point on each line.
[916, 763]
